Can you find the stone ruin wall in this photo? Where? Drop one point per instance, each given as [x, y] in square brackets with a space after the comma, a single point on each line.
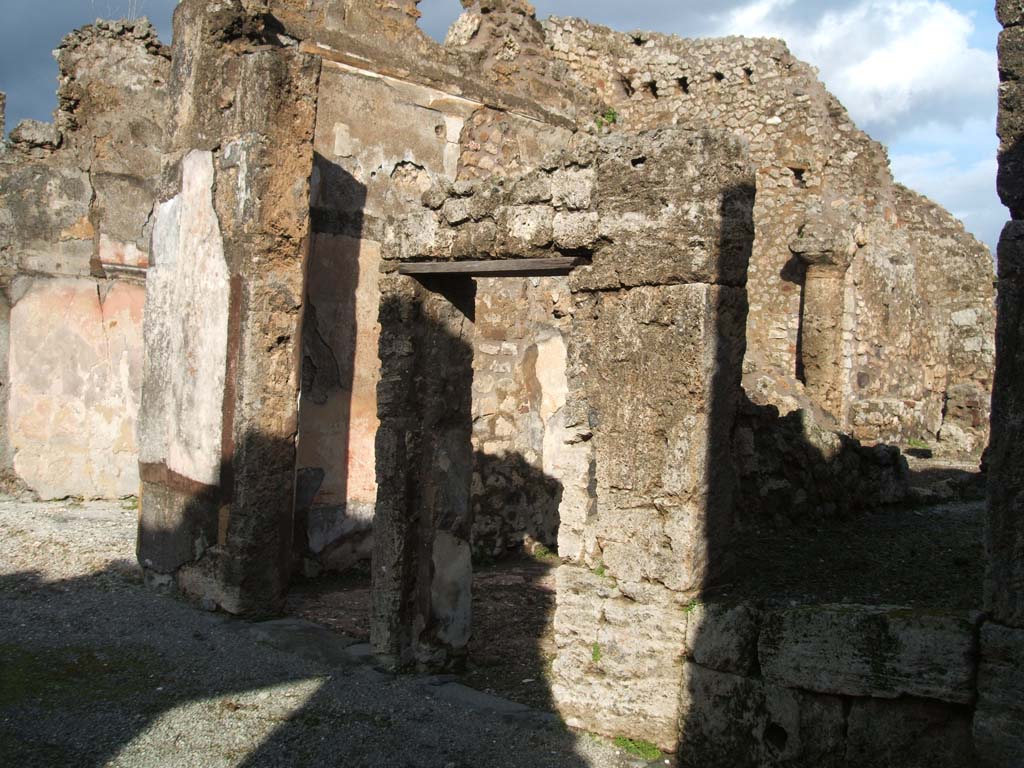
[527, 98]
[218, 487]
[76, 199]
[366, 172]
[918, 312]
[665, 219]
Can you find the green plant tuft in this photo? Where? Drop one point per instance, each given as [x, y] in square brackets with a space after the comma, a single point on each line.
[595, 652]
[638, 747]
[542, 553]
[607, 118]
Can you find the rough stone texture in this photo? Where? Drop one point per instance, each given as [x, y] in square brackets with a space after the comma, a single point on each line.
[421, 563]
[1004, 536]
[1000, 708]
[605, 401]
[661, 515]
[901, 348]
[740, 719]
[871, 651]
[908, 732]
[524, 454]
[620, 658]
[238, 171]
[723, 637]
[366, 172]
[999, 719]
[793, 469]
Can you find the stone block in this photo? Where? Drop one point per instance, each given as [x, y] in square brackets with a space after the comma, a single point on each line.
[663, 516]
[723, 637]
[34, 133]
[571, 188]
[619, 660]
[722, 719]
[736, 721]
[871, 651]
[909, 733]
[999, 715]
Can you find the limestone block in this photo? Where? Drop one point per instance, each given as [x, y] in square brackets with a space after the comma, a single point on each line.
[722, 719]
[575, 230]
[871, 651]
[34, 133]
[619, 659]
[571, 188]
[679, 207]
[723, 637]
[999, 716]
[909, 733]
[662, 515]
[741, 722]
[528, 227]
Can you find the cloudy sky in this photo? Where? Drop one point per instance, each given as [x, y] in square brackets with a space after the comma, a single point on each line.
[918, 75]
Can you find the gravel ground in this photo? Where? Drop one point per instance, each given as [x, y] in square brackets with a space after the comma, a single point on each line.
[97, 670]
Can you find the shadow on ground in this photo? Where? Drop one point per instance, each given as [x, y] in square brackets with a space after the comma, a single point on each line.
[100, 671]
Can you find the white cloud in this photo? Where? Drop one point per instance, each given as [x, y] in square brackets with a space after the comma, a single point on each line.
[893, 63]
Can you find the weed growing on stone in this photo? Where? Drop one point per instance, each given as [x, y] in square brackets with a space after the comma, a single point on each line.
[543, 554]
[595, 653]
[607, 119]
[691, 606]
[639, 747]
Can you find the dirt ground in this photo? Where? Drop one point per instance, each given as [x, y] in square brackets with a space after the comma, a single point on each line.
[98, 670]
[513, 611]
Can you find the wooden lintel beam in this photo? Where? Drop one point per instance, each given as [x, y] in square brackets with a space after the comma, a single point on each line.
[494, 267]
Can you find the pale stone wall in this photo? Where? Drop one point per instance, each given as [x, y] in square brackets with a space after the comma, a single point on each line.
[76, 203]
[520, 385]
[666, 220]
[76, 366]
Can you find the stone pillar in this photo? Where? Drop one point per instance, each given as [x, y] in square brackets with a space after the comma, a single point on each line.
[826, 247]
[660, 386]
[999, 717]
[422, 571]
[655, 353]
[223, 313]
